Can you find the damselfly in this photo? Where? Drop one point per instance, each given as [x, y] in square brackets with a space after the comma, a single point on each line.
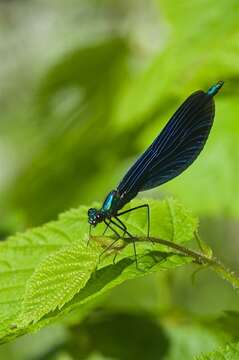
[173, 150]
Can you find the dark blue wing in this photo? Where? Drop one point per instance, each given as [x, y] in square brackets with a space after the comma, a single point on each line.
[175, 148]
[186, 146]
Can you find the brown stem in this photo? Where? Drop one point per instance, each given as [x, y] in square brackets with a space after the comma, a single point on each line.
[199, 258]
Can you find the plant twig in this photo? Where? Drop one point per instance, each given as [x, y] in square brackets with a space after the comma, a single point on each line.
[199, 258]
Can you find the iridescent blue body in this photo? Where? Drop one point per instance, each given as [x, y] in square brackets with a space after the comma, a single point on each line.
[173, 150]
[109, 209]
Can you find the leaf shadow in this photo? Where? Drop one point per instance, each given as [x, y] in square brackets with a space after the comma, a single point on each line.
[109, 276]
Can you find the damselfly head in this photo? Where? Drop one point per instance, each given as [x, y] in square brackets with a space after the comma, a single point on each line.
[95, 216]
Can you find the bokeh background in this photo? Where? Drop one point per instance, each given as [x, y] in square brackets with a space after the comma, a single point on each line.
[85, 86]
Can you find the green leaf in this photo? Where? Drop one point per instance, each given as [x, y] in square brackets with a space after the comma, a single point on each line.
[229, 352]
[111, 275]
[169, 221]
[21, 254]
[57, 279]
[30, 264]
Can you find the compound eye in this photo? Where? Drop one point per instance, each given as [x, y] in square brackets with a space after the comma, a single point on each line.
[92, 212]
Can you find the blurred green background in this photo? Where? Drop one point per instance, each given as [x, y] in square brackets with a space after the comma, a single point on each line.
[85, 86]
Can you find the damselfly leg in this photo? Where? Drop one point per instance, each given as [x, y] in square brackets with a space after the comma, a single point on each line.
[89, 235]
[136, 208]
[123, 227]
[120, 225]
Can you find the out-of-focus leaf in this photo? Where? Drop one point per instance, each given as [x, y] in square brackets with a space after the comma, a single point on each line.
[85, 69]
[229, 352]
[97, 114]
[188, 62]
[229, 323]
[75, 137]
[114, 336]
[188, 340]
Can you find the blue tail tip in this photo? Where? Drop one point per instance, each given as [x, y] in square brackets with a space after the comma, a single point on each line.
[213, 90]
